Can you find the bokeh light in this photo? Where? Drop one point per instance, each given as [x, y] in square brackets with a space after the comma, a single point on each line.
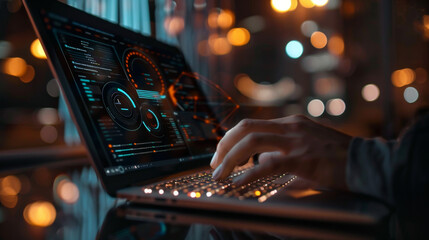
[336, 45]
[49, 134]
[370, 92]
[41, 214]
[37, 49]
[47, 116]
[403, 77]
[225, 19]
[309, 27]
[281, 5]
[67, 191]
[315, 108]
[306, 3]
[9, 201]
[5, 49]
[411, 95]
[10, 185]
[219, 45]
[15, 66]
[52, 88]
[238, 36]
[28, 75]
[336, 107]
[212, 19]
[294, 49]
[320, 62]
[174, 25]
[318, 40]
[221, 18]
[426, 21]
[266, 93]
[320, 3]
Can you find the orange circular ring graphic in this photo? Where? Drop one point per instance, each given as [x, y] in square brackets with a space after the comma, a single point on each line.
[137, 53]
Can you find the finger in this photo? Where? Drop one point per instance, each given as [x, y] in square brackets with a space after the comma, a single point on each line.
[267, 156]
[294, 123]
[235, 134]
[251, 144]
[275, 164]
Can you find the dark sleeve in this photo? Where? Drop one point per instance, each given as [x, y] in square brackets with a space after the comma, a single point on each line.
[369, 167]
[395, 171]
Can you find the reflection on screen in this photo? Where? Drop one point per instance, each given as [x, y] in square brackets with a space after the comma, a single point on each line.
[143, 108]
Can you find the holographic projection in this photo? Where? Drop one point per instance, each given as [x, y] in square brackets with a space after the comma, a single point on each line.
[196, 106]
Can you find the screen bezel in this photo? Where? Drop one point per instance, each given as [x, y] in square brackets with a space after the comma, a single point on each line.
[75, 104]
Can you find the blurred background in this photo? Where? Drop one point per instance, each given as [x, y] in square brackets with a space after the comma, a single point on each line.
[360, 66]
[357, 65]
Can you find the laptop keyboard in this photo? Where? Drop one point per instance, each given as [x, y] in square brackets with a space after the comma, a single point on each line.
[202, 185]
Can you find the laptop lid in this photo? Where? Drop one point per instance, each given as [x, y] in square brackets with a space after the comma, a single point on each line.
[137, 105]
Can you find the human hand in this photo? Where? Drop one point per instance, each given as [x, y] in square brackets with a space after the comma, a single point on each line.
[293, 144]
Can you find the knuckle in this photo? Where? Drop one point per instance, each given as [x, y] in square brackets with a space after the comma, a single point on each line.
[246, 123]
[254, 139]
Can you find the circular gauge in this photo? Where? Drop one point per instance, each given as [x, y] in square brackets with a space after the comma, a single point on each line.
[143, 73]
[121, 106]
[151, 120]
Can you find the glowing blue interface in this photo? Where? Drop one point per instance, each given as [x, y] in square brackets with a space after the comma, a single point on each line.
[141, 98]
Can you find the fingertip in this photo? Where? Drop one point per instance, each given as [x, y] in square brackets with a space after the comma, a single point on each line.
[213, 161]
[217, 172]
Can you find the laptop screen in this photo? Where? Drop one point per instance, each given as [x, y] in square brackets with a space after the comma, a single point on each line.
[142, 106]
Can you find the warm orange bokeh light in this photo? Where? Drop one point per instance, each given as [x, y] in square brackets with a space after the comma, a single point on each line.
[219, 45]
[225, 19]
[28, 75]
[282, 6]
[37, 49]
[306, 3]
[403, 77]
[426, 21]
[41, 214]
[15, 66]
[318, 40]
[9, 201]
[174, 25]
[320, 3]
[68, 191]
[212, 19]
[10, 185]
[336, 45]
[238, 36]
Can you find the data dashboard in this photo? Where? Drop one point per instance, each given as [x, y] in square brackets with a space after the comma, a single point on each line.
[143, 101]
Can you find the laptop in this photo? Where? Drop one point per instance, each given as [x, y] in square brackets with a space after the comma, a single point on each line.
[150, 130]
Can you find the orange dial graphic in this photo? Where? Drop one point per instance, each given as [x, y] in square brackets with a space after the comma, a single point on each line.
[143, 73]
